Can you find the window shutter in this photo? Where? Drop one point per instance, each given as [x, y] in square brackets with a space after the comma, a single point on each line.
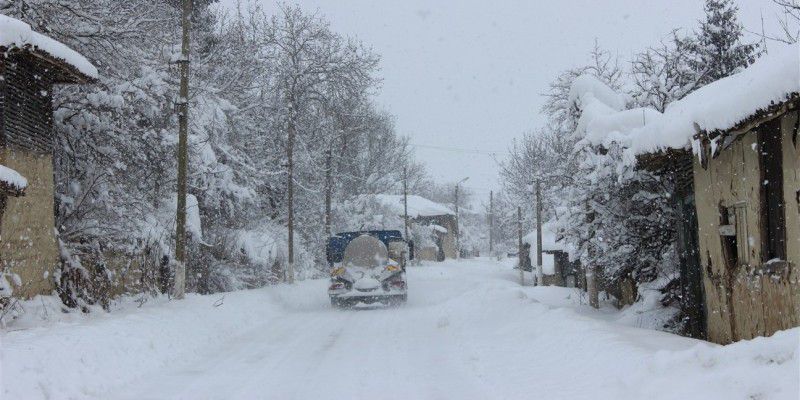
[742, 235]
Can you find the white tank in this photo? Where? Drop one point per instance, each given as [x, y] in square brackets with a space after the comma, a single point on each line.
[365, 251]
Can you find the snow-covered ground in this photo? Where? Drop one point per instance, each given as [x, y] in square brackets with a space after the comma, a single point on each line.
[469, 331]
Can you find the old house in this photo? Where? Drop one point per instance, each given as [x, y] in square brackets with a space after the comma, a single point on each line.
[30, 65]
[748, 207]
[746, 193]
[436, 222]
[676, 165]
[732, 149]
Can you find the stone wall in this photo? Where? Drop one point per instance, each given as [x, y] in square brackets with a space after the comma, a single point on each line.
[749, 298]
[28, 244]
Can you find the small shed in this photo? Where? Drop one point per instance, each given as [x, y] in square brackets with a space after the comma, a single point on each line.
[557, 268]
[30, 65]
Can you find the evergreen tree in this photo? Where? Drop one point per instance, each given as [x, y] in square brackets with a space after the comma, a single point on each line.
[716, 49]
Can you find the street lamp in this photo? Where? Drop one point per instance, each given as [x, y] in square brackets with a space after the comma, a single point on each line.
[458, 232]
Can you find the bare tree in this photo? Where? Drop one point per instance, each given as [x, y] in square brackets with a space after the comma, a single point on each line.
[311, 61]
[662, 74]
[789, 25]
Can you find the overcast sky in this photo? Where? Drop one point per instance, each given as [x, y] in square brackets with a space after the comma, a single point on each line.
[464, 78]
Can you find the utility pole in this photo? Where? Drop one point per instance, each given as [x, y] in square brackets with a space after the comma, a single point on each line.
[491, 222]
[289, 278]
[591, 285]
[183, 155]
[519, 247]
[328, 189]
[458, 231]
[590, 271]
[458, 234]
[539, 271]
[405, 201]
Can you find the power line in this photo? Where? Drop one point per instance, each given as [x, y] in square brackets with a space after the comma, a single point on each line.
[459, 150]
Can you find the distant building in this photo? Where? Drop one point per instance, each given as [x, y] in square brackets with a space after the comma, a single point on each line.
[438, 220]
[30, 65]
[557, 268]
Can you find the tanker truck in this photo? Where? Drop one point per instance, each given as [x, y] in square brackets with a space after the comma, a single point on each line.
[368, 267]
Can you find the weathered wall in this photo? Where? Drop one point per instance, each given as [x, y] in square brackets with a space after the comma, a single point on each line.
[427, 253]
[791, 190]
[448, 240]
[28, 245]
[747, 300]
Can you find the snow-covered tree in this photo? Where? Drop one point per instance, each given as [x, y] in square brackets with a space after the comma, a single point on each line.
[662, 74]
[716, 48]
[115, 156]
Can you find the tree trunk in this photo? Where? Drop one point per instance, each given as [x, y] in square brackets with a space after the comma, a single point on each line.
[491, 222]
[290, 193]
[458, 234]
[519, 248]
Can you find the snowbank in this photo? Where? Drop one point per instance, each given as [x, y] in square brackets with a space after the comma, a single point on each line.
[160, 226]
[78, 356]
[418, 206]
[262, 246]
[15, 33]
[468, 332]
[12, 178]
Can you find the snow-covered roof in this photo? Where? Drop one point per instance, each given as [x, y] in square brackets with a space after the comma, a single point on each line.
[718, 106]
[549, 239]
[587, 89]
[17, 34]
[418, 206]
[12, 181]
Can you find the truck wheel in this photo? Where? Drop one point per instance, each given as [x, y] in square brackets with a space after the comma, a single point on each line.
[336, 304]
[397, 301]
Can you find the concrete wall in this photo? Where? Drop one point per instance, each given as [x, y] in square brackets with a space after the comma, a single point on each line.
[28, 244]
[750, 299]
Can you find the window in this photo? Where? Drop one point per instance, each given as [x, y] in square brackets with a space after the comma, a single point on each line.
[734, 234]
[773, 217]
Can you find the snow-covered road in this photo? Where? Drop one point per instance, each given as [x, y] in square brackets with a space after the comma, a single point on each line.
[469, 331]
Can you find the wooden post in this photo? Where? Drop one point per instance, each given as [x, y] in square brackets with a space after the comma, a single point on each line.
[591, 287]
[519, 247]
[491, 222]
[539, 271]
[183, 154]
